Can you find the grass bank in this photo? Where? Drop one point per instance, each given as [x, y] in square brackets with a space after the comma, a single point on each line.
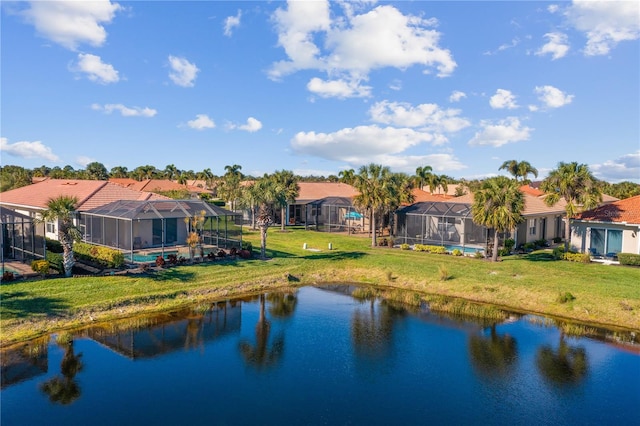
[604, 295]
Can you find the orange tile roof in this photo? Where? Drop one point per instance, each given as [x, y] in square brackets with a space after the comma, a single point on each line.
[533, 205]
[90, 193]
[526, 189]
[310, 191]
[156, 185]
[420, 196]
[621, 211]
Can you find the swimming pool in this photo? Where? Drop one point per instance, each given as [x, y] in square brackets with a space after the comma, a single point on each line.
[465, 250]
[151, 257]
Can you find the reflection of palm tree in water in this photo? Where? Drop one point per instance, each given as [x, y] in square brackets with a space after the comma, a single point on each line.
[282, 305]
[193, 338]
[493, 355]
[262, 355]
[64, 389]
[566, 365]
[371, 330]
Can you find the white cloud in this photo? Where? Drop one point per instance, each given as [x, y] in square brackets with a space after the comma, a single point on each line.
[553, 8]
[626, 167]
[503, 99]
[183, 72]
[395, 85]
[358, 145]
[605, 23]
[557, 46]
[125, 111]
[252, 125]
[70, 23]
[201, 122]
[95, 69]
[338, 88]
[25, 149]
[82, 161]
[456, 96]
[428, 117]
[553, 97]
[355, 44]
[503, 132]
[232, 22]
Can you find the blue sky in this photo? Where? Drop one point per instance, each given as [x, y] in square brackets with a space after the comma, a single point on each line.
[318, 87]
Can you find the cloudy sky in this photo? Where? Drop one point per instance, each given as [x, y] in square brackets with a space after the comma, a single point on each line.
[318, 87]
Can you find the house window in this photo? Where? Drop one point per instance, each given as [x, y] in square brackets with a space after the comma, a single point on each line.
[51, 227]
[605, 241]
[532, 226]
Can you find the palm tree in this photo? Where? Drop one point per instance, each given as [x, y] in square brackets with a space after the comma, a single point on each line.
[422, 176]
[575, 184]
[370, 183]
[171, 172]
[347, 176]
[265, 193]
[230, 188]
[436, 182]
[519, 169]
[119, 172]
[498, 204]
[62, 209]
[288, 189]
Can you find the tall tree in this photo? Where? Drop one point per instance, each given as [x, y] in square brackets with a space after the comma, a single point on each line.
[12, 177]
[119, 172]
[575, 184]
[170, 172]
[266, 193]
[41, 171]
[62, 211]
[519, 169]
[373, 185]
[498, 204]
[347, 176]
[96, 171]
[435, 182]
[230, 188]
[287, 188]
[422, 176]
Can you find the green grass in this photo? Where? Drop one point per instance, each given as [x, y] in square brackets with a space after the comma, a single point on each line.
[604, 295]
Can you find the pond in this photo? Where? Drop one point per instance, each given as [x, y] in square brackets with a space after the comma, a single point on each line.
[320, 356]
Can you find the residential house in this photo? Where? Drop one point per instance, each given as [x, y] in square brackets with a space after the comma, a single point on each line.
[608, 229]
[160, 186]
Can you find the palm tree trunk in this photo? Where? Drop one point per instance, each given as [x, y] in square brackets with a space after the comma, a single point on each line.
[263, 241]
[373, 229]
[282, 218]
[567, 233]
[496, 241]
[67, 260]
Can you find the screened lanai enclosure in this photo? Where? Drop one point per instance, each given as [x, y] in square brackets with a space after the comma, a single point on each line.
[440, 223]
[133, 226]
[21, 238]
[334, 214]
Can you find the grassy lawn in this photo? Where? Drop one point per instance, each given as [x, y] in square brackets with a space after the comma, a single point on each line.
[604, 295]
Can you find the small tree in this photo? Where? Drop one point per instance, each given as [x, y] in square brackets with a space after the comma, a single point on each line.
[194, 229]
[62, 209]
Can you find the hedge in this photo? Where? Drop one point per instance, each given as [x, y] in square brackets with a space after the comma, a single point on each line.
[430, 249]
[108, 257]
[577, 257]
[55, 261]
[629, 259]
[40, 266]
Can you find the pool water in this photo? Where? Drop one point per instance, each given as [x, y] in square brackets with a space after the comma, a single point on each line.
[151, 257]
[465, 250]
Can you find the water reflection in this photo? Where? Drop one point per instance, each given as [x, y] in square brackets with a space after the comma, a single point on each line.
[24, 362]
[493, 355]
[64, 389]
[564, 365]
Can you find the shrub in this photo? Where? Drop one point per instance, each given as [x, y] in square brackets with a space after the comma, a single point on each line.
[558, 253]
[541, 243]
[55, 261]
[172, 259]
[557, 240]
[233, 251]
[444, 273]
[404, 246]
[246, 245]
[430, 249]
[244, 254]
[456, 252]
[40, 266]
[629, 259]
[504, 252]
[565, 297]
[509, 243]
[529, 246]
[222, 253]
[478, 255]
[8, 276]
[160, 261]
[577, 257]
[383, 242]
[106, 256]
[53, 246]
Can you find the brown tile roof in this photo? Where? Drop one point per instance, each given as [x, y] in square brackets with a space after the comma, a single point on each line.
[526, 189]
[532, 205]
[90, 193]
[420, 196]
[627, 211]
[156, 185]
[310, 191]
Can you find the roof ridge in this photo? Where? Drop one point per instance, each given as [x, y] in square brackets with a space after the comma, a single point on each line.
[91, 194]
